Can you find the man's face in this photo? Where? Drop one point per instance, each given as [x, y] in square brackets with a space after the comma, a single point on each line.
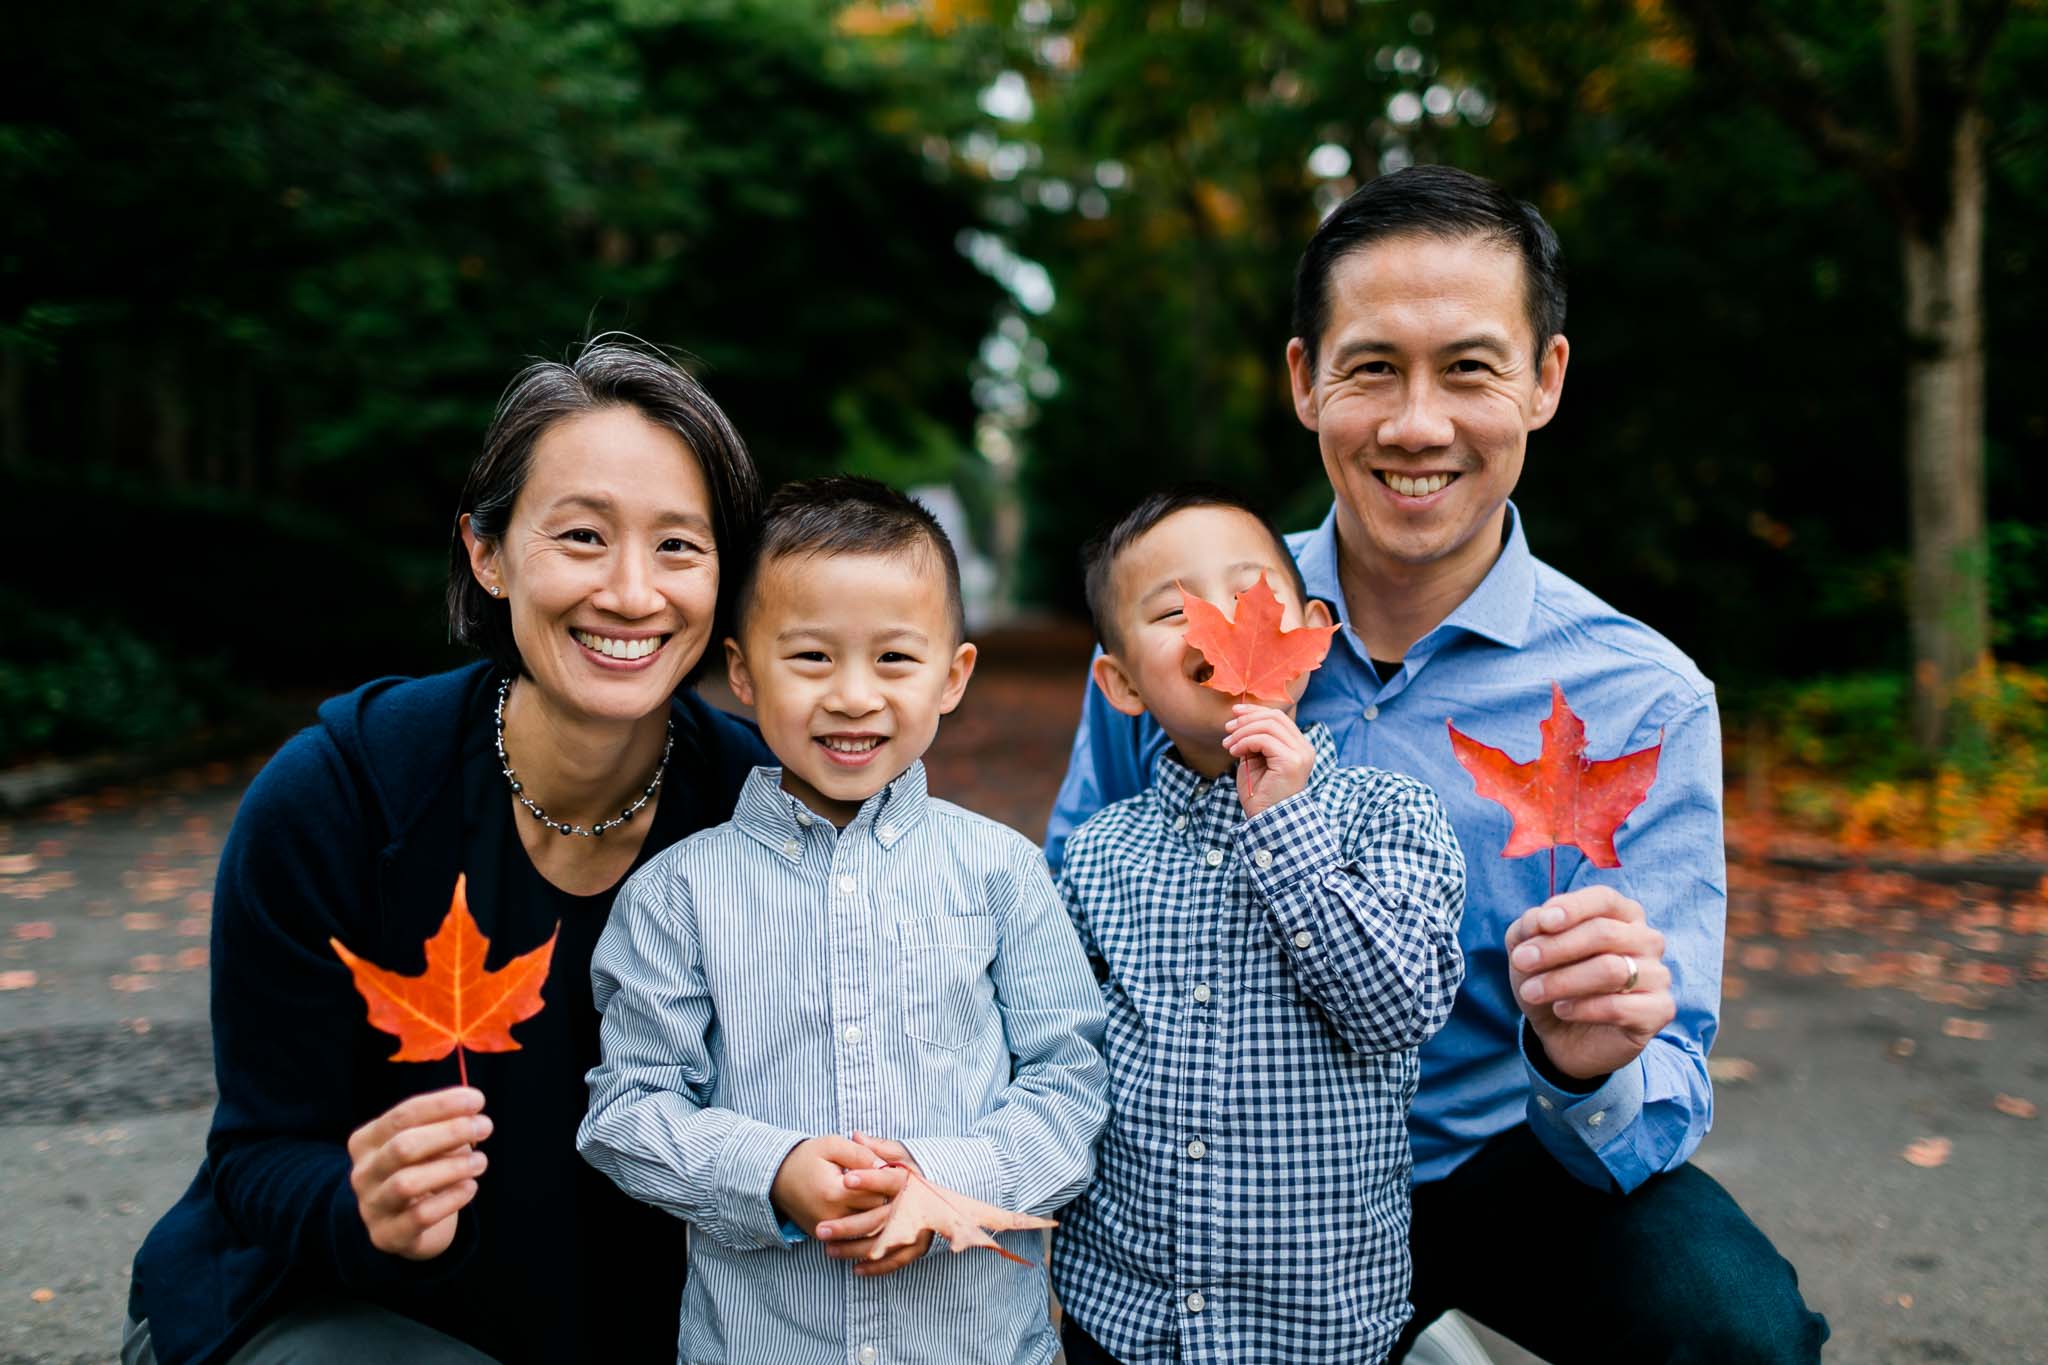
[1422, 396]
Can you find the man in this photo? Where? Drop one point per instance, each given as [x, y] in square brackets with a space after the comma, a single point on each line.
[1553, 1197]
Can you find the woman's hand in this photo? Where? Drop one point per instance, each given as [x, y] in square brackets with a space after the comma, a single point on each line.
[415, 1169]
[1273, 757]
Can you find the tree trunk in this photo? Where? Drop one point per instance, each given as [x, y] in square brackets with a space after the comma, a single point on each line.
[1945, 438]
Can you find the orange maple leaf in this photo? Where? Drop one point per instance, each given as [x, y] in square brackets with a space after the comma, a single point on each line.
[1250, 656]
[964, 1222]
[1561, 797]
[456, 1003]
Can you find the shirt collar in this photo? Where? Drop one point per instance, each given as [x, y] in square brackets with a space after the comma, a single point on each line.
[781, 822]
[1498, 609]
[1179, 789]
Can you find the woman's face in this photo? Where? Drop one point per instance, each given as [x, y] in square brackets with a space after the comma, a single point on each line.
[608, 564]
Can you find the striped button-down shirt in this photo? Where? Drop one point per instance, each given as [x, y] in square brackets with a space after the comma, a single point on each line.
[1268, 982]
[913, 975]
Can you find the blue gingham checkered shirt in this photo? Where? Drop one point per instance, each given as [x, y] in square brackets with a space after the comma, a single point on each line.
[1268, 981]
[912, 976]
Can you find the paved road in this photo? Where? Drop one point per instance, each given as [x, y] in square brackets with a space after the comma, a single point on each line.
[1832, 1069]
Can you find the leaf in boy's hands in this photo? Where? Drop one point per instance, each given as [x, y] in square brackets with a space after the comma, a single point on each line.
[1249, 655]
[455, 1003]
[1560, 797]
[924, 1207]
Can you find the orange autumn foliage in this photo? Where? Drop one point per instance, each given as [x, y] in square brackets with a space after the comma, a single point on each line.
[456, 1003]
[1252, 657]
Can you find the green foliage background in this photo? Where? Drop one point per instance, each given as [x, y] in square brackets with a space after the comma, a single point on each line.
[266, 265]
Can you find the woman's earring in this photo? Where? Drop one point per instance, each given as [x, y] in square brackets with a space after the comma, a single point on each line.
[494, 589]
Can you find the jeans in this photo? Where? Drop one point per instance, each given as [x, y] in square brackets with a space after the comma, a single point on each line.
[329, 1332]
[1674, 1272]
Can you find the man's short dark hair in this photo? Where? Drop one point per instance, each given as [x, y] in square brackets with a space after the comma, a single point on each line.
[846, 515]
[1099, 556]
[1432, 201]
[610, 371]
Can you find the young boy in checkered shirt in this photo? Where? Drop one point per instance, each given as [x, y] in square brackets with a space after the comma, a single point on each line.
[1275, 936]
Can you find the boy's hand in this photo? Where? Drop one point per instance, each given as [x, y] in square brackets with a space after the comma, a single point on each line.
[811, 1186]
[853, 1239]
[1273, 756]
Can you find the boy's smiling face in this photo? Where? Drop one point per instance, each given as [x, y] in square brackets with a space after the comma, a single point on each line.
[848, 660]
[1215, 553]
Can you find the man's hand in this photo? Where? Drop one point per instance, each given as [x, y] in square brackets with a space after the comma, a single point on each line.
[812, 1186]
[1273, 756]
[1568, 960]
[415, 1168]
[853, 1239]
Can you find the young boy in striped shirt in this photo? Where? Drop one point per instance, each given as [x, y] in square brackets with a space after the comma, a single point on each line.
[1275, 936]
[849, 956]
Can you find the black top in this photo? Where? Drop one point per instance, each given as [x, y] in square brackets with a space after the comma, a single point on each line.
[356, 831]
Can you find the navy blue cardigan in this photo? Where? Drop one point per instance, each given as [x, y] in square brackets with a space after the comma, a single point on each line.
[353, 831]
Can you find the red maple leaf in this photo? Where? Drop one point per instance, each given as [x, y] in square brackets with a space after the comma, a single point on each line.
[1250, 656]
[964, 1222]
[455, 1003]
[1561, 797]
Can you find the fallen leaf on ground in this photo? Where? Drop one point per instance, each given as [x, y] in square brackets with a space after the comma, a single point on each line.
[194, 927]
[17, 864]
[2014, 1105]
[190, 959]
[1905, 1300]
[1560, 796]
[35, 928]
[924, 1207]
[1931, 1151]
[455, 1004]
[43, 1295]
[1957, 1027]
[1731, 1070]
[1248, 654]
[17, 980]
[1904, 1047]
[146, 962]
[142, 920]
[130, 983]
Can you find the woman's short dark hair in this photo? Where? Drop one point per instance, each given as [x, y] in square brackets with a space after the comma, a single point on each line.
[610, 371]
[1432, 201]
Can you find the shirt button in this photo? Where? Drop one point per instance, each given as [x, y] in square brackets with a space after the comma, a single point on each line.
[1201, 995]
[846, 885]
[1214, 857]
[1198, 1149]
[887, 832]
[1262, 859]
[852, 1033]
[1594, 1119]
[867, 1355]
[1543, 1103]
[790, 848]
[1180, 822]
[1372, 713]
[1302, 939]
[1196, 1303]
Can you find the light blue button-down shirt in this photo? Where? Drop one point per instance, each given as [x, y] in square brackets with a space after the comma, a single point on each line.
[914, 976]
[1488, 668]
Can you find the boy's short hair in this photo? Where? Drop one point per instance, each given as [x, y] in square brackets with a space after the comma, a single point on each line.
[1099, 556]
[846, 515]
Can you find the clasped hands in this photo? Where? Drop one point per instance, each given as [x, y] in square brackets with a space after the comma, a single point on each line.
[841, 1191]
[1569, 962]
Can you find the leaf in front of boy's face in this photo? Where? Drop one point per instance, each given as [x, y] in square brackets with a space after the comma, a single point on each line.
[1250, 655]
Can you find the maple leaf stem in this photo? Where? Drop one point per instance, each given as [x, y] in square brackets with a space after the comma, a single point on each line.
[1553, 873]
[462, 1056]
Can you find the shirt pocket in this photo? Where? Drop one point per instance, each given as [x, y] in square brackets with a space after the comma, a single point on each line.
[947, 995]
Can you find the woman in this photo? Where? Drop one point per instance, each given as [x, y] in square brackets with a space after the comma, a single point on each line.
[354, 1208]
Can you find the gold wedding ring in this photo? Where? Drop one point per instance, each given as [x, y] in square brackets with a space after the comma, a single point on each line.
[1629, 984]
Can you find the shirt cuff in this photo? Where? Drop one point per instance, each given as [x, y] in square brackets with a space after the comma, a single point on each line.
[970, 1165]
[1585, 1121]
[1287, 844]
[753, 1153]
